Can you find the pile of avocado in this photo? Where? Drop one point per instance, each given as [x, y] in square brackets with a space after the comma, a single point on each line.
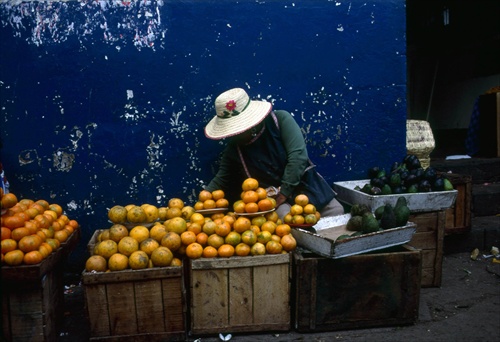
[363, 221]
[405, 177]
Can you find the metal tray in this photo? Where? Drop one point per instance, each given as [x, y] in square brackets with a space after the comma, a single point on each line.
[420, 201]
[330, 228]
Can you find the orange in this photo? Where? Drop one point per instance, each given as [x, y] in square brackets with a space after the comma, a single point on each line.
[222, 229]
[261, 192]
[49, 232]
[255, 229]
[209, 227]
[209, 204]
[265, 204]
[239, 206]
[96, 263]
[107, 248]
[272, 216]
[104, 235]
[202, 238]
[310, 219]
[209, 252]
[251, 207]
[249, 237]
[45, 249]
[233, 238]
[273, 247]
[288, 242]
[55, 244]
[309, 209]
[194, 250]
[42, 221]
[152, 213]
[318, 215]
[33, 258]
[136, 215]
[264, 237]
[8, 200]
[128, 245]
[250, 196]
[61, 235]
[194, 227]
[225, 251]
[215, 241]
[13, 221]
[57, 208]
[188, 237]
[117, 262]
[157, 232]
[258, 220]
[6, 233]
[26, 201]
[18, 233]
[162, 257]
[301, 200]
[14, 258]
[250, 184]
[149, 245]
[187, 211]
[29, 243]
[117, 232]
[222, 203]
[198, 205]
[242, 224]
[258, 249]
[276, 238]
[138, 260]
[229, 219]
[51, 214]
[177, 225]
[140, 233]
[296, 209]
[173, 212]
[242, 249]
[162, 213]
[197, 218]
[176, 262]
[117, 214]
[218, 194]
[8, 245]
[43, 203]
[172, 241]
[204, 195]
[283, 229]
[175, 203]
[298, 219]
[32, 212]
[269, 226]
[288, 218]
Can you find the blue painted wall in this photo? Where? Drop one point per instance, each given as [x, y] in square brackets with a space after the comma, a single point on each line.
[104, 102]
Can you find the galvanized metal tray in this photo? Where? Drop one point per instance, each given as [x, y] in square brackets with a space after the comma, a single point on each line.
[417, 202]
[328, 229]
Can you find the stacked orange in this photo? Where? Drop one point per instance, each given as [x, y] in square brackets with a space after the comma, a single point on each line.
[302, 212]
[254, 198]
[32, 230]
[211, 200]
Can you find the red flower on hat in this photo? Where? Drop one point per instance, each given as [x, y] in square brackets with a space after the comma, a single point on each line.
[231, 105]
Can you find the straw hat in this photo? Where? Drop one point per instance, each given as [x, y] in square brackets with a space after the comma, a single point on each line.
[236, 113]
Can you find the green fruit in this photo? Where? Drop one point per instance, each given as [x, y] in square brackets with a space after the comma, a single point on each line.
[343, 236]
[447, 185]
[378, 212]
[388, 219]
[402, 214]
[369, 224]
[354, 223]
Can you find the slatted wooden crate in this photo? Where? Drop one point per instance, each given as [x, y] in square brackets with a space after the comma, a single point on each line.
[33, 297]
[136, 305]
[368, 290]
[458, 217]
[429, 238]
[240, 294]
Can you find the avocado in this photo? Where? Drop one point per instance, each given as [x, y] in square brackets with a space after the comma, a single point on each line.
[447, 185]
[378, 182]
[369, 224]
[366, 188]
[388, 219]
[395, 180]
[354, 223]
[373, 172]
[412, 189]
[402, 214]
[401, 201]
[430, 174]
[424, 186]
[438, 184]
[386, 190]
[378, 212]
[342, 237]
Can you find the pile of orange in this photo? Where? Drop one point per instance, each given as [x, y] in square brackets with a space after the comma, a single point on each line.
[254, 198]
[32, 230]
[302, 212]
[211, 200]
[132, 213]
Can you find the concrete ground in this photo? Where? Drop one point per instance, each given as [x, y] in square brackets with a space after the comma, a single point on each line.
[465, 308]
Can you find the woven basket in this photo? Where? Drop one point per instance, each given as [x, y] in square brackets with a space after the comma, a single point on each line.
[420, 140]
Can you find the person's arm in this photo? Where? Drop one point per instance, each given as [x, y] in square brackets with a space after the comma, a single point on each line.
[297, 158]
[222, 178]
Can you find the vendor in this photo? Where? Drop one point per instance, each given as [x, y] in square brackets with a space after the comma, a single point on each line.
[267, 145]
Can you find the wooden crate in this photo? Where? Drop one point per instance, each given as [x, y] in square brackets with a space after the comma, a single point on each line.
[240, 294]
[429, 238]
[458, 216]
[369, 290]
[139, 305]
[33, 297]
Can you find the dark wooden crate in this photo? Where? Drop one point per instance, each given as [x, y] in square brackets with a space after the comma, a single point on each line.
[135, 305]
[240, 294]
[429, 239]
[458, 217]
[33, 297]
[367, 290]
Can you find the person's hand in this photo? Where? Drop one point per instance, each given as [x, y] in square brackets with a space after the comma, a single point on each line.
[280, 199]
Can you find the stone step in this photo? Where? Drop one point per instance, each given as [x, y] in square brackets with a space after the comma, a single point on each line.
[485, 199]
[484, 234]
